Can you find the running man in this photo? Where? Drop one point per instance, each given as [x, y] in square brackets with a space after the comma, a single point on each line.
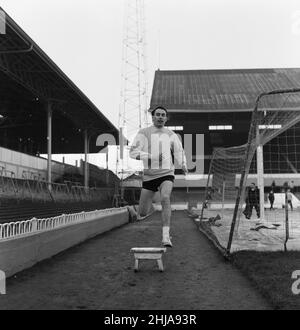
[156, 146]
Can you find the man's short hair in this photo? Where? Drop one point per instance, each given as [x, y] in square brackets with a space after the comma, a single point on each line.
[159, 107]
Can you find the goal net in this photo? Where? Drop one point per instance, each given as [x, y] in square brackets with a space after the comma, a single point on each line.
[251, 195]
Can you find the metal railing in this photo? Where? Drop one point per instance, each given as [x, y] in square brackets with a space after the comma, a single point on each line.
[17, 229]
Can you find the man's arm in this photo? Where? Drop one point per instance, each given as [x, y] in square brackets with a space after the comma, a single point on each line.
[138, 147]
[179, 153]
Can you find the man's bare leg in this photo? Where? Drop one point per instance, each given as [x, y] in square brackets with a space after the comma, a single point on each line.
[145, 203]
[165, 193]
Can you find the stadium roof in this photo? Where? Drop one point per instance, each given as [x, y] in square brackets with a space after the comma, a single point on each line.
[27, 74]
[218, 90]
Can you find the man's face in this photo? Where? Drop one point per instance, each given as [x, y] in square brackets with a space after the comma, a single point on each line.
[159, 118]
[253, 186]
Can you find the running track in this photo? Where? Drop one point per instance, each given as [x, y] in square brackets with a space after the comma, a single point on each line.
[98, 274]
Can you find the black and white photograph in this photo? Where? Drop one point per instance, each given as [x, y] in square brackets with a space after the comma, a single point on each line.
[149, 158]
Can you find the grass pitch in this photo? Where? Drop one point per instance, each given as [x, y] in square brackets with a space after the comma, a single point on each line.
[271, 273]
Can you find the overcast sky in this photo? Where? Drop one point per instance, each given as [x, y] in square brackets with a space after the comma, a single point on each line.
[84, 38]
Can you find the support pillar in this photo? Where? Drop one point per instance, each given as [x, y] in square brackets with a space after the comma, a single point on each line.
[49, 144]
[107, 175]
[86, 152]
[260, 180]
[121, 142]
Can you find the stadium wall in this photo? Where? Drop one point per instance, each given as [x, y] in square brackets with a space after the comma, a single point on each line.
[18, 162]
[200, 181]
[20, 253]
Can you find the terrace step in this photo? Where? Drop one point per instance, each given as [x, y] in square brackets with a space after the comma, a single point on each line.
[11, 212]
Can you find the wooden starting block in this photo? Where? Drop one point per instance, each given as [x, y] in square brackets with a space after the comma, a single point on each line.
[149, 253]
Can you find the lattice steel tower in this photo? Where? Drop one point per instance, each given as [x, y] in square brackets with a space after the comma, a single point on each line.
[134, 99]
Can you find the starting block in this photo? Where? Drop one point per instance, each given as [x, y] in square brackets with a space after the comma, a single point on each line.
[148, 253]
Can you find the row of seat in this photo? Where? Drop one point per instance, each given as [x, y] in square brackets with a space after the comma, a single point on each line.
[12, 211]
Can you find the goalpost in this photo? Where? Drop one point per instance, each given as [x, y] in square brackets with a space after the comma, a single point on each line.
[262, 160]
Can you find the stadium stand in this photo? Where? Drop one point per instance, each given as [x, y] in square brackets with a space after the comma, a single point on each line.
[205, 101]
[37, 98]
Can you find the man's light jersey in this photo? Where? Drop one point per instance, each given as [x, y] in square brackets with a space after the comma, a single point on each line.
[151, 142]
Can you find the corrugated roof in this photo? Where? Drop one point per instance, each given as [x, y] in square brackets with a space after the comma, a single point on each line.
[218, 90]
[28, 65]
